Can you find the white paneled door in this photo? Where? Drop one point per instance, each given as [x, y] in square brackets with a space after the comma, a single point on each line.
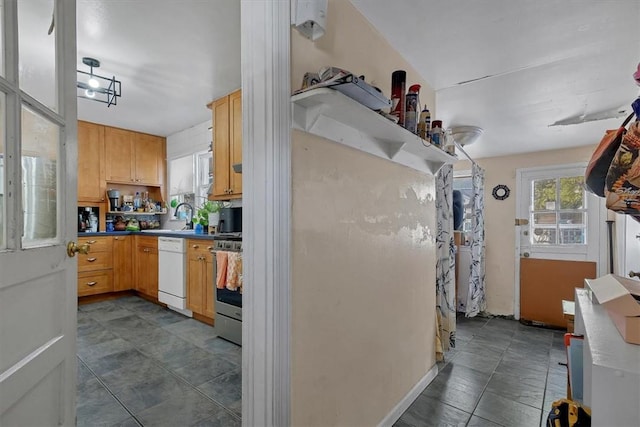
[38, 155]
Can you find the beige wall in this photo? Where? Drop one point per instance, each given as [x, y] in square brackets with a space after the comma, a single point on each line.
[363, 263]
[500, 215]
[363, 321]
[352, 43]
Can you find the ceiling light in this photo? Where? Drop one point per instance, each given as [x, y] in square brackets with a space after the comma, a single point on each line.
[96, 87]
[465, 135]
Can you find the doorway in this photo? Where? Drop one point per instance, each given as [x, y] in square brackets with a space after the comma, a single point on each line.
[558, 242]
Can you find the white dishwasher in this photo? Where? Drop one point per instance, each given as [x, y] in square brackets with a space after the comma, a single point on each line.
[172, 283]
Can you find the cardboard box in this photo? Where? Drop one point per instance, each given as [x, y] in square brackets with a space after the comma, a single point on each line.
[616, 293]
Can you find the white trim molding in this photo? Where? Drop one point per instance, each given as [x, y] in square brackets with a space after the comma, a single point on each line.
[408, 399]
[266, 146]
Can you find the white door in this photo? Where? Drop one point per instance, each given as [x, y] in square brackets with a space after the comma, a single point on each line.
[627, 242]
[563, 224]
[37, 203]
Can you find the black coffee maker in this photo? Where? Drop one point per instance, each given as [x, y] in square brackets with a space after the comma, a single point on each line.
[114, 200]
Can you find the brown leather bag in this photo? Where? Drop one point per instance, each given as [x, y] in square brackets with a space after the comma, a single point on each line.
[601, 159]
[622, 185]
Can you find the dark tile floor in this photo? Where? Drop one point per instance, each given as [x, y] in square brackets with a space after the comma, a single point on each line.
[501, 373]
[141, 364]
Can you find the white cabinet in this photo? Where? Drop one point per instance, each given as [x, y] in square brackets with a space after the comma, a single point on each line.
[611, 366]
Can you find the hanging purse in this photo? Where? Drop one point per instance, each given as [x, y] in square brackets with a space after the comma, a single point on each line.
[602, 157]
[622, 185]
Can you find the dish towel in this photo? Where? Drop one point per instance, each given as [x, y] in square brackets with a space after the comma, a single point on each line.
[222, 261]
[234, 271]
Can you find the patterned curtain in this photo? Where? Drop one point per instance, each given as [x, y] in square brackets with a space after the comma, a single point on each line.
[445, 263]
[476, 301]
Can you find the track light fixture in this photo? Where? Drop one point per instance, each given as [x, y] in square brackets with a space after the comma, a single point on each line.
[96, 87]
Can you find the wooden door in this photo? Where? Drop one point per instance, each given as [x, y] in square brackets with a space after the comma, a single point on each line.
[148, 156]
[558, 243]
[119, 155]
[122, 263]
[220, 110]
[38, 302]
[235, 141]
[91, 161]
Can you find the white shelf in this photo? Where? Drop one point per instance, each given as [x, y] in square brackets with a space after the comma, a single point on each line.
[330, 114]
[136, 213]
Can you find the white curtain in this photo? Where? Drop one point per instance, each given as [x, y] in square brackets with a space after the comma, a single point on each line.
[445, 263]
[476, 301]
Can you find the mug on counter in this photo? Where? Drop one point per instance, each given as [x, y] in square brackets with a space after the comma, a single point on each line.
[110, 225]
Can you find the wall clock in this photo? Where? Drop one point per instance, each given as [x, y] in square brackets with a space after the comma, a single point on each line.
[500, 192]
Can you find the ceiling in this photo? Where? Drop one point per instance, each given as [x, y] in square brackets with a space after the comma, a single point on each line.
[515, 67]
[172, 57]
[510, 67]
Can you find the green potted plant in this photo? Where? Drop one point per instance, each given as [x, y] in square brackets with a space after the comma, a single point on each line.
[203, 212]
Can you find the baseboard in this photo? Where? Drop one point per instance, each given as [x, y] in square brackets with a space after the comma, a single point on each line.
[408, 399]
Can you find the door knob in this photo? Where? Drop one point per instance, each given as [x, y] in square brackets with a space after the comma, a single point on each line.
[526, 254]
[634, 274]
[73, 249]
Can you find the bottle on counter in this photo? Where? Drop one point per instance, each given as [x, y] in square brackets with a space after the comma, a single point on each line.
[398, 81]
[412, 107]
[137, 201]
[436, 133]
[424, 124]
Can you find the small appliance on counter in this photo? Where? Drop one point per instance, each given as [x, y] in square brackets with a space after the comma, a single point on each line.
[230, 220]
[114, 200]
[88, 219]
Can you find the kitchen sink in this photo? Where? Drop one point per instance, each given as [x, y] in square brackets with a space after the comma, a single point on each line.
[168, 231]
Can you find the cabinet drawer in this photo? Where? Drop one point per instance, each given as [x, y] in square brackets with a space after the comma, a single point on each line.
[95, 283]
[95, 261]
[199, 247]
[97, 244]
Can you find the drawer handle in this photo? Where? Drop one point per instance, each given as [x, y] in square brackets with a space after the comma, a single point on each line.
[91, 242]
[91, 259]
[195, 246]
[92, 283]
[209, 248]
[116, 238]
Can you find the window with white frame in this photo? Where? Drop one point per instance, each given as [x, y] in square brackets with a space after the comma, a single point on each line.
[190, 178]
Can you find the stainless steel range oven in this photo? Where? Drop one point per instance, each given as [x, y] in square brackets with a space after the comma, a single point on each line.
[228, 304]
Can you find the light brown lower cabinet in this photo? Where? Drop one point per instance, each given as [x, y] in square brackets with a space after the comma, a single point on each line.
[95, 275]
[200, 287]
[146, 265]
[123, 263]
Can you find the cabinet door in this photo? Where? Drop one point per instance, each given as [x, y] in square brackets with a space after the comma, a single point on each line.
[220, 110]
[122, 263]
[146, 265]
[120, 160]
[195, 296]
[149, 153]
[152, 272]
[235, 141]
[91, 163]
[209, 287]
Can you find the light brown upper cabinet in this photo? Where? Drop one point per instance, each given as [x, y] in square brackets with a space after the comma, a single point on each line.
[133, 157]
[91, 162]
[227, 146]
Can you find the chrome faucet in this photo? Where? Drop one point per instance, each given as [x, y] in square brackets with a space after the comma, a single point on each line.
[190, 222]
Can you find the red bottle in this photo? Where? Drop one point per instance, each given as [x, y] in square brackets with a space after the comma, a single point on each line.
[398, 83]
